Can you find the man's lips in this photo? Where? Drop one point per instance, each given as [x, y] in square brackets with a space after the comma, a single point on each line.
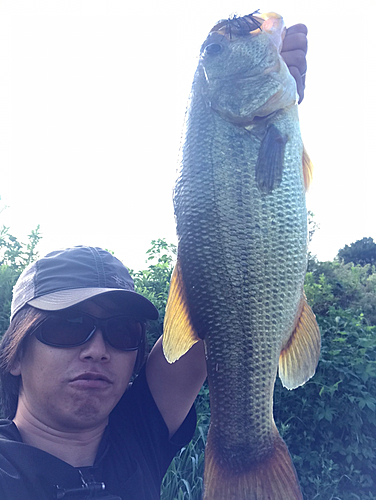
[91, 380]
[92, 376]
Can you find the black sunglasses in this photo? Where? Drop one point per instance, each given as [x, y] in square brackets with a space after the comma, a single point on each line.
[75, 328]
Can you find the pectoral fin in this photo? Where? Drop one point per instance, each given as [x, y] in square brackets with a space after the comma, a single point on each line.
[269, 165]
[300, 355]
[178, 333]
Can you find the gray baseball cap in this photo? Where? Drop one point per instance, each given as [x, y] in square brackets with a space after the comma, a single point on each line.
[67, 277]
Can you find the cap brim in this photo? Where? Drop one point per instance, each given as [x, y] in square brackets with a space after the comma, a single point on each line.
[63, 299]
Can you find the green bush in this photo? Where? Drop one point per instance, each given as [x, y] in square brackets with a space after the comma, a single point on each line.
[346, 286]
[154, 282]
[14, 257]
[330, 423]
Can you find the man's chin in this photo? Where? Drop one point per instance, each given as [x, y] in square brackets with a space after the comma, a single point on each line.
[85, 414]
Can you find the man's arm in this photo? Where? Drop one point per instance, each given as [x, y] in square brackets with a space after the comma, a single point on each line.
[175, 386]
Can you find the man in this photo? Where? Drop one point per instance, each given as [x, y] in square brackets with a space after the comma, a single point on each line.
[74, 428]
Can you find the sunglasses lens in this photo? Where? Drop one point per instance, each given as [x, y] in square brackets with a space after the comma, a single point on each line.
[120, 332]
[67, 331]
[124, 333]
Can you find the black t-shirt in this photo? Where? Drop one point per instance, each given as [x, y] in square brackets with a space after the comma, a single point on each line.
[132, 458]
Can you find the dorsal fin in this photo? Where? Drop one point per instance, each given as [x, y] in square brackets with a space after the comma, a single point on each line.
[178, 332]
[307, 169]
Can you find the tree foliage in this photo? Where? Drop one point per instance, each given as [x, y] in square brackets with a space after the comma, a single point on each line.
[14, 257]
[329, 424]
[154, 282]
[343, 286]
[361, 252]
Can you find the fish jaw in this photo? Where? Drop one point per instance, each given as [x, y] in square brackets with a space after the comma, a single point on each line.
[271, 23]
[274, 25]
[245, 76]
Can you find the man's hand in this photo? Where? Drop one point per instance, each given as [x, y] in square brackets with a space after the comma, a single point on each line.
[294, 50]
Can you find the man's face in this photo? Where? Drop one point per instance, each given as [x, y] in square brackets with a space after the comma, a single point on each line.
[50, 390]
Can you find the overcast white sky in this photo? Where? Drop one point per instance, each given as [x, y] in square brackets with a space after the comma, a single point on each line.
[92, 101]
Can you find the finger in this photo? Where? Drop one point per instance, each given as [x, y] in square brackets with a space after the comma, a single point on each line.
[300, 82]
[295, 58]
[297, 28]
[295, 41]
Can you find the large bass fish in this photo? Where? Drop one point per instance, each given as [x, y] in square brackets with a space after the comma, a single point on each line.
[242, 228]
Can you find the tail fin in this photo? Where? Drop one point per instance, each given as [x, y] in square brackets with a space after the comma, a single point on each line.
[272, 479]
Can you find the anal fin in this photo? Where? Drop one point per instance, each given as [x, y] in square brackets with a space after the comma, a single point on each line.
[178, 333]
[300, 355]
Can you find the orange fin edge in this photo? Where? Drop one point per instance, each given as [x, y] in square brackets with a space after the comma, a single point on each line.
[307, 169]
[299, 357]
[178, 332]
[273, 478]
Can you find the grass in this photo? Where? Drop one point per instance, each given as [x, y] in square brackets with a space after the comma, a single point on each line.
[184, 478]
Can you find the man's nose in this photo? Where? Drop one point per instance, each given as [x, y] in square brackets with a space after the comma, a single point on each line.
[96, 348]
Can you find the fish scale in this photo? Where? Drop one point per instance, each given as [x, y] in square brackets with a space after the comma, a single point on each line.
[238, 283]
[248, 264]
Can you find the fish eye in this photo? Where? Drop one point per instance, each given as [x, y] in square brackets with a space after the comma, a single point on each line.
[213, 49]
